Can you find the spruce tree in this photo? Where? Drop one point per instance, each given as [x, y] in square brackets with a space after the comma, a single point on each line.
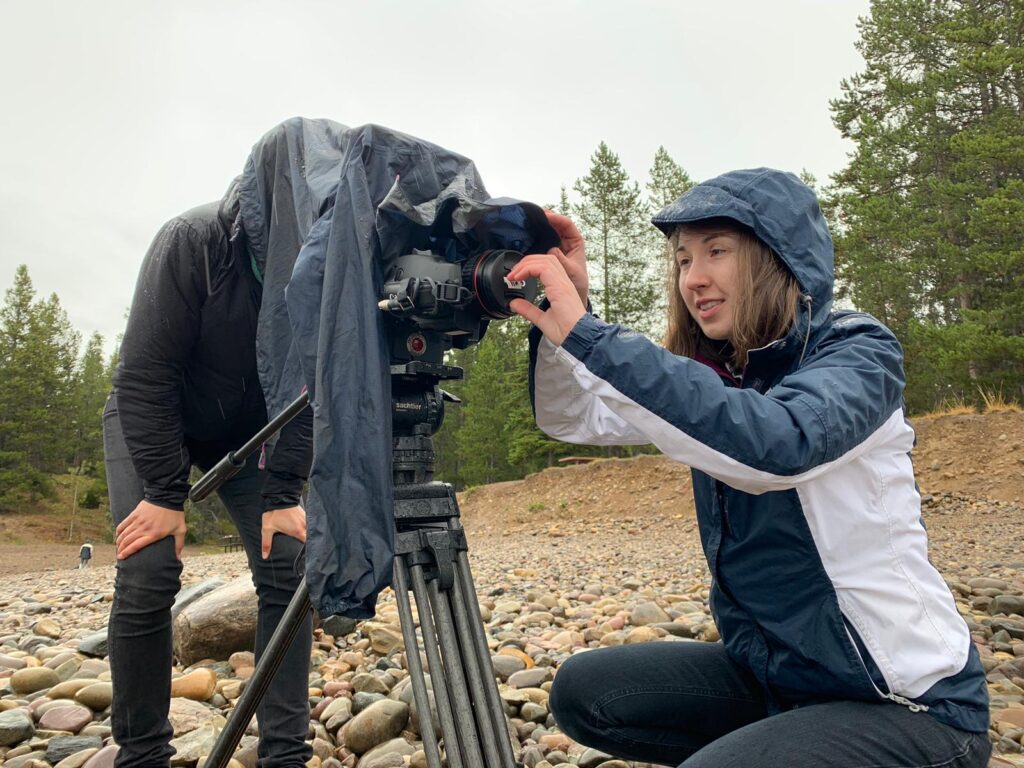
[613, 218]
[927, 214]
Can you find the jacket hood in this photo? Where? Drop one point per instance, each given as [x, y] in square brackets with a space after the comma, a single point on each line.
[292, 170]
[781, 210]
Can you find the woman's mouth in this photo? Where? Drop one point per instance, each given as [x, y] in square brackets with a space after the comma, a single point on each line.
[707, 308]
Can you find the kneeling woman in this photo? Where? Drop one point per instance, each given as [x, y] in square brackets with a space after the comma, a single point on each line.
[842, 645]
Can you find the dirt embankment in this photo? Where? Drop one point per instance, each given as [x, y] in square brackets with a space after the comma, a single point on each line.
[971, 455]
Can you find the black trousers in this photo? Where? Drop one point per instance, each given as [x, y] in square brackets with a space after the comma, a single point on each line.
[689, 704]
[140, 623]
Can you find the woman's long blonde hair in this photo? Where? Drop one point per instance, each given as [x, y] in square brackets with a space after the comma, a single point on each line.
[766, 304]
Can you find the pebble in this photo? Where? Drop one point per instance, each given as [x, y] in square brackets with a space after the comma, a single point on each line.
[565, 594]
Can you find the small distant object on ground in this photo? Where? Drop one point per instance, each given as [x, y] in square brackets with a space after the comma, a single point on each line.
[84, 555]
[577, 459]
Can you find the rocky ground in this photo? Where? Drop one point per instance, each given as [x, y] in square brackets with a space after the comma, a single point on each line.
[593, 555]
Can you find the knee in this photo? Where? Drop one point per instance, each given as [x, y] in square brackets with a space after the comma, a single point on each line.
[569, 701]
[151, 577]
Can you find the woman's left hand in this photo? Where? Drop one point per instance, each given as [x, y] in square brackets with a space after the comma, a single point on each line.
[566, 307]
[290, 521]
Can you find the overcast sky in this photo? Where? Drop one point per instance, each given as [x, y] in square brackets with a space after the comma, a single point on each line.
[116, 116]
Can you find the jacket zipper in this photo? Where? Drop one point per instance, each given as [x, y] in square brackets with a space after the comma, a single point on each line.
[722, 510]
[911, 705]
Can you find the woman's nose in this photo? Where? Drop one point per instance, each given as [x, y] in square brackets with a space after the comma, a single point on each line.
[696, 276]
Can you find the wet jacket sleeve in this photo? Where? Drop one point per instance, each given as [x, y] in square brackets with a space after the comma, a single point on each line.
[288, 465]
[606, 384]
[163, 325]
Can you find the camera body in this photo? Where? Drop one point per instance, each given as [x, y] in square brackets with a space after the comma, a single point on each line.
[434, 304]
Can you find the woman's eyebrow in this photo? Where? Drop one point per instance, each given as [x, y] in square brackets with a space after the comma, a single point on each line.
[713, 235]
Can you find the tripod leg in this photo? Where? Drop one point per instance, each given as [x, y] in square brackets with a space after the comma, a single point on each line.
[412, 655]
[280, 641]
[493, 701]
[452, 738]
[466, 633]
[453, 669]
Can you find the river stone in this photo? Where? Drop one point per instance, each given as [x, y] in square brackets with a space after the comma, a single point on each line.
[104, 758]
[67, 718]
[648, 613]
[68, 688]
[35, 759]
[390, 754]
[197, 685]
[340, 705]
[78, 759]
[96, 697]
[529, 678]
[505, 665]
[217, 624]
[592, 758]
[381, 721]
[15, 726]
[364, 682]
[94, 645]
[186, 715]
[47, 628]
[190, 747]
[93, 668]
[10, 662]
[1007, 604]
[189, 595]
[65, 746]
[385, 639]
[32, 679]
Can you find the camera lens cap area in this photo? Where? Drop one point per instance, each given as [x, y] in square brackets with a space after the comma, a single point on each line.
[488, 280]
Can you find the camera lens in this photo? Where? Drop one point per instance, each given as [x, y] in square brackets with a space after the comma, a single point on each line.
[487, 278]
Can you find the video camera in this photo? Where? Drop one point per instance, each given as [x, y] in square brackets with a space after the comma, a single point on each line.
[435, 304]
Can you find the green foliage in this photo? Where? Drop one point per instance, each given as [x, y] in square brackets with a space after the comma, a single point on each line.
[625, 274]
[50, 401]
[928, 213]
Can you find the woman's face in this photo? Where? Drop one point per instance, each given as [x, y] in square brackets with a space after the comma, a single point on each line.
[708, 268]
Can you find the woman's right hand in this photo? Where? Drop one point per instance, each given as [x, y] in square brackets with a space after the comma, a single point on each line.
[571, 255]
[148, 524]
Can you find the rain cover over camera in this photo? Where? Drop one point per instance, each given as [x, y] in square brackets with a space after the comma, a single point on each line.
[325, 210]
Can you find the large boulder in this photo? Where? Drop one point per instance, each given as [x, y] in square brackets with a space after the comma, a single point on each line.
[217, 624]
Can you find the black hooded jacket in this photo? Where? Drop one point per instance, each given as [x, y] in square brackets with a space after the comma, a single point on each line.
[186, 386]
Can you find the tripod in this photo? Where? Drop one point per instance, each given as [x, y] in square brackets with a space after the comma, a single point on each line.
[431, 562]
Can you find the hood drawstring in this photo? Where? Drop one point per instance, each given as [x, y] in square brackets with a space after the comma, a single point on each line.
[806, 299]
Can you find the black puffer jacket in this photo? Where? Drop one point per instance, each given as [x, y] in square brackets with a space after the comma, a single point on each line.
[186, 385]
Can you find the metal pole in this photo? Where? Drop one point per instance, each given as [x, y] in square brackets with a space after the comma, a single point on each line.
[412, 656]
[438, 678]
[486, 728]
[484, 655]
[267, 667]
[453, 666]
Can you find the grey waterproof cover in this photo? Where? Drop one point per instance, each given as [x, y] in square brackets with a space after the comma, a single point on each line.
[325, 209]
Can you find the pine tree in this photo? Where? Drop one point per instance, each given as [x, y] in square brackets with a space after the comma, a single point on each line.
[92, 388]
[668, 182]
[22, 396]
[928, 211]
[613, 218]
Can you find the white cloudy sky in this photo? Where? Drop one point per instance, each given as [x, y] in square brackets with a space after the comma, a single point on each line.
[119, 114]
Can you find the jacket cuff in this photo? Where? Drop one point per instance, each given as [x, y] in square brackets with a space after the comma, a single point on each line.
[282, 490]
[164, 497]
[583, 336]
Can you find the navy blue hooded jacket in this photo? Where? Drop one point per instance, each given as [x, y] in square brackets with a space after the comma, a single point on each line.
[806, 502]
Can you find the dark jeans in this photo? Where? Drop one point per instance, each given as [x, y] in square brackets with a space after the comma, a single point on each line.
[140, 623]
[688, 704]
